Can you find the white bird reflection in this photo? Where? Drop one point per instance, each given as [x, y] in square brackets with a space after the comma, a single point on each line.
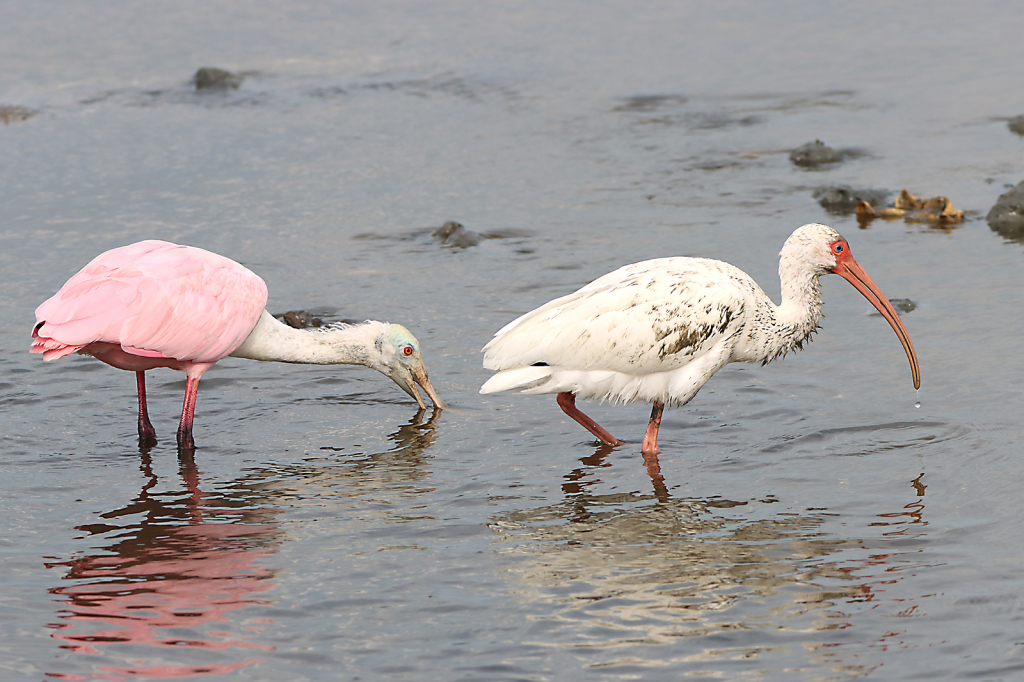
[709, 579]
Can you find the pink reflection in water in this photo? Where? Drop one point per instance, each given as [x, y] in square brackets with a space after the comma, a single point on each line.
[149, 599]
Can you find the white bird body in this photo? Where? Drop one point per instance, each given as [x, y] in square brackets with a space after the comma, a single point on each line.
[657, 330]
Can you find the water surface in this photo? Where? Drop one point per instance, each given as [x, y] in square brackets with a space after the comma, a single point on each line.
[804, 520]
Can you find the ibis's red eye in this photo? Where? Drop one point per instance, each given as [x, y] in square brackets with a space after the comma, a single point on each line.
[838, 247]
[407, 350]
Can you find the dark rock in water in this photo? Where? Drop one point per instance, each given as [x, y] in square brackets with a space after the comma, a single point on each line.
[649, 102]
[300, 319]
[455, 234]
[1016, 125]
[210, 78]
[843, 199]
[11, 113]
[1007, 215]
[904, 305]
[815, 153]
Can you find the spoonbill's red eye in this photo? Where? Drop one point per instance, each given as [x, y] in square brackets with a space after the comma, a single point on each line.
[407, 350]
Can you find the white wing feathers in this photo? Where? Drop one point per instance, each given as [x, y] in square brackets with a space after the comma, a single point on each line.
[655, 330]
[647, 317]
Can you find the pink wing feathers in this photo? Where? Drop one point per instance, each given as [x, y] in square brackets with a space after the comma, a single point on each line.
[154, 299]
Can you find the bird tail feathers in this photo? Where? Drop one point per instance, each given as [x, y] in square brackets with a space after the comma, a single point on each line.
[518, 379]
[51, 349]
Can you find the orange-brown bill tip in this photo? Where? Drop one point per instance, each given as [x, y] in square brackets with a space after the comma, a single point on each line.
[421, 378]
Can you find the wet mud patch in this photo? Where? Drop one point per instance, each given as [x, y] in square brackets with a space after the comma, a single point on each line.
[451, 234]
[702, 120]
[794, 102]
[10, 114]
[683, 111]
[450, 84]
[186, 94]
[648, 103]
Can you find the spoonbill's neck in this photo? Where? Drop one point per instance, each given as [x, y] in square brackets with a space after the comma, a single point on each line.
[272, 340]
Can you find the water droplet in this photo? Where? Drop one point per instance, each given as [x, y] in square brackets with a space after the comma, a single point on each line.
[918, 404]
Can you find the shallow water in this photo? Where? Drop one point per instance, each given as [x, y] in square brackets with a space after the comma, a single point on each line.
[804, 520]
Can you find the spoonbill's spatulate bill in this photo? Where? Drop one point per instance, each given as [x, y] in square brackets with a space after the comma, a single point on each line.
[656, 331]
[156, 304]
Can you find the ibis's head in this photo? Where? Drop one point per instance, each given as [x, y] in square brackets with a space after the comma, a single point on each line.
[823, 250]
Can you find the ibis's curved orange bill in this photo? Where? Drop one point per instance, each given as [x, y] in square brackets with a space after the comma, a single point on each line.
[850, 270]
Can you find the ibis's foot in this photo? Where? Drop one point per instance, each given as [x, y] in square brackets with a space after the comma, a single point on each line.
[652, 464]
[567, 401]
[650, 444]
[657, 480]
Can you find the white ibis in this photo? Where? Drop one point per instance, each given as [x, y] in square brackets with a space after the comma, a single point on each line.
[656, 331]
[156, 304]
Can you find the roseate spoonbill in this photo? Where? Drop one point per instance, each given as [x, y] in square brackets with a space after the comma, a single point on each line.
[156, 304]
[656, 331]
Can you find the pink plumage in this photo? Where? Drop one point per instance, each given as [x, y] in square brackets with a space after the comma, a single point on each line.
[153, 304]
[153, 299]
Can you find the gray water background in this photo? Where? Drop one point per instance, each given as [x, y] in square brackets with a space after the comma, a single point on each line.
[809, 523]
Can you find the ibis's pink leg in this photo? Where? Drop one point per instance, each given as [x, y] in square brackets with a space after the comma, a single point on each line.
[147, 434]
[650, 443]
[188, 412]
[567, 401]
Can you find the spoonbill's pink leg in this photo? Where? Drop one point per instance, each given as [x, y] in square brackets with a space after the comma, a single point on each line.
[188, 413]
[650, 444]
[567, 401]
[147, 434]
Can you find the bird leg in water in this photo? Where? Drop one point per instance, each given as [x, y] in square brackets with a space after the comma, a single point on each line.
[188, 413]
[147, 434]
[567, 401]
[650, 443]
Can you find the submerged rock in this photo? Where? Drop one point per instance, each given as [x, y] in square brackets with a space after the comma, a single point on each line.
[212, 78]
[300, 319]
[455, 234]
[815, 153]
[904, 305]
[1007, 215]
[646, 103]
[1016, 125]
[12, 113]
[843, 199]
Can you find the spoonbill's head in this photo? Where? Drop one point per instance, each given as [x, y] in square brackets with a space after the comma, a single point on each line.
[823, 250]
[401, 354]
